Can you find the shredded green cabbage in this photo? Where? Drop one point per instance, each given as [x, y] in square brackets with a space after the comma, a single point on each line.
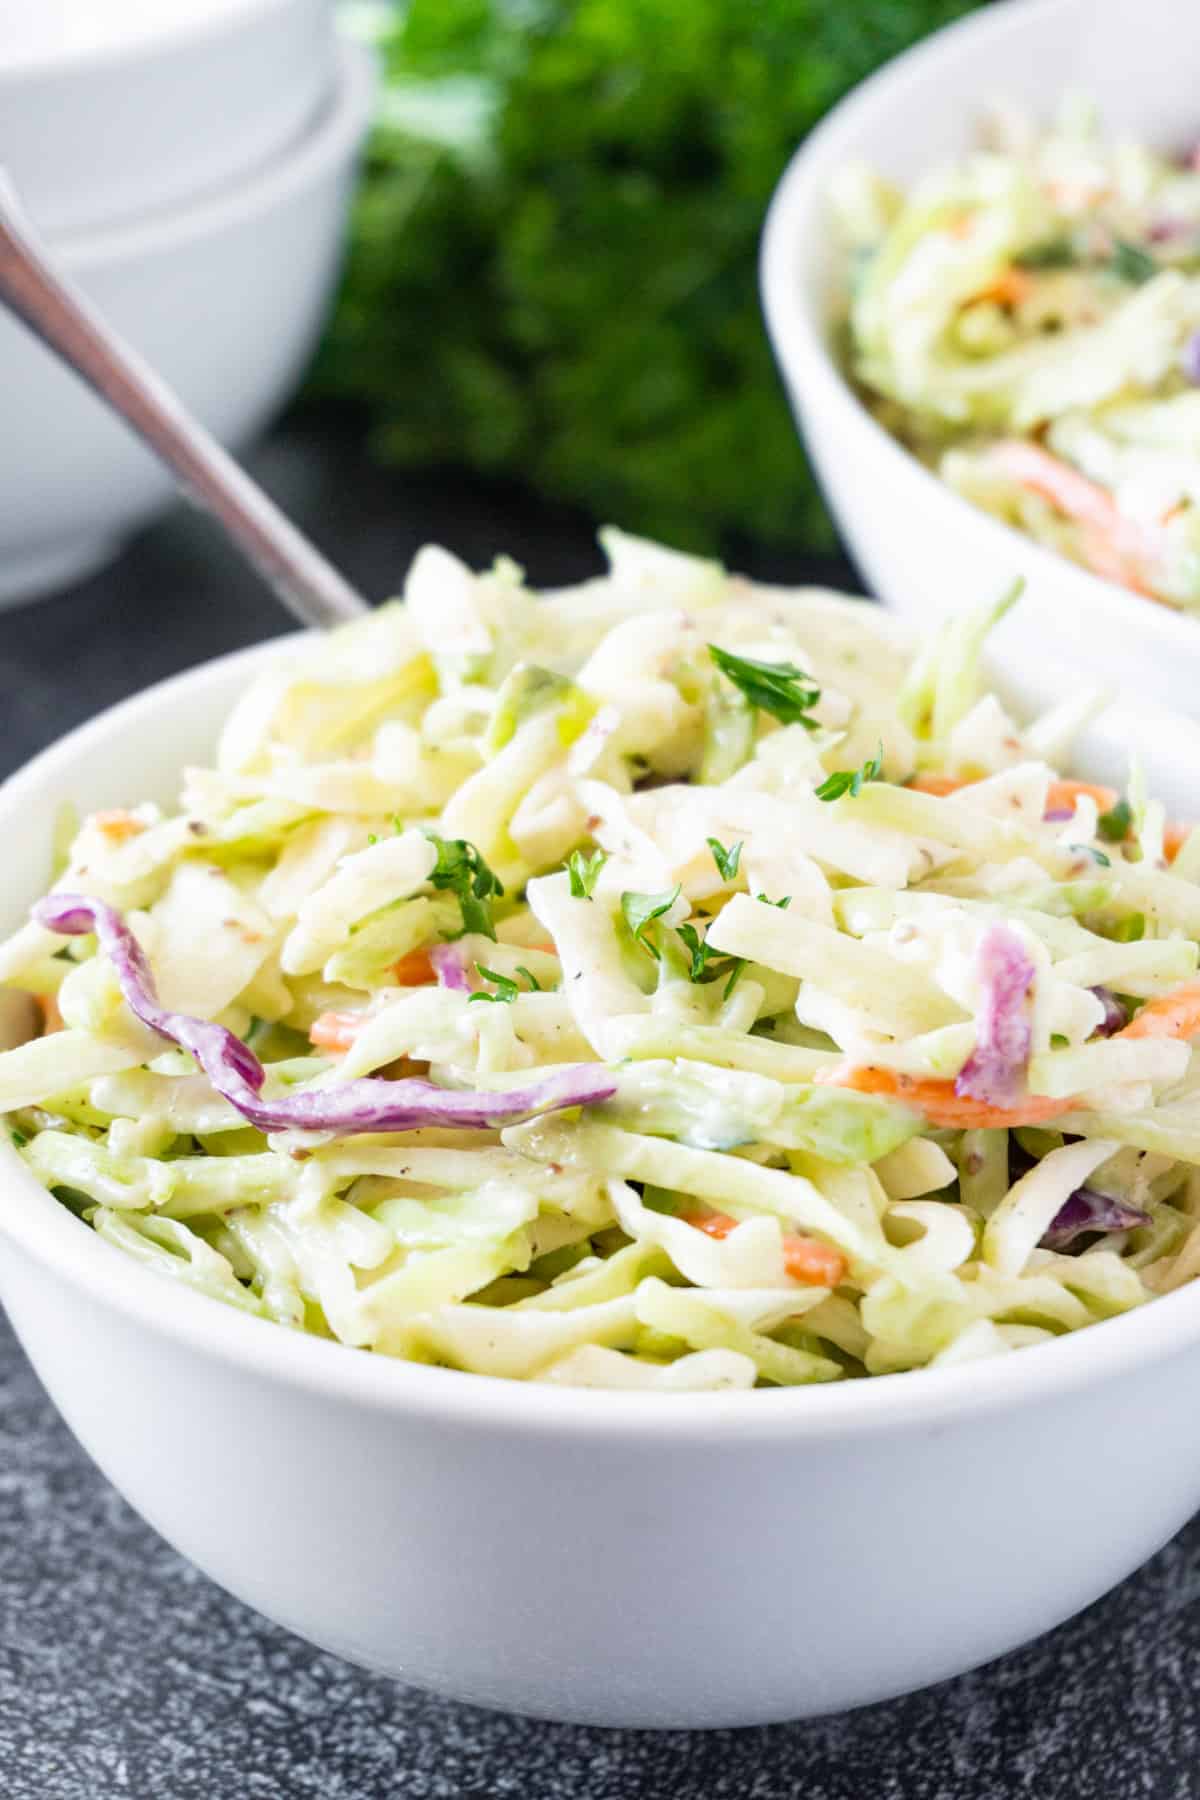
[566, 807]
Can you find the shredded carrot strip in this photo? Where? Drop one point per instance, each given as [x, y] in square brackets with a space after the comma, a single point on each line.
[336, 1030]
[413, 970]
[118, 824]
[1009, 288]
[1174, 1015]
[943, 1108]
[1174, 838]
[1112, 545]
[52, 1019]
[1059, 795]
[806, 1259]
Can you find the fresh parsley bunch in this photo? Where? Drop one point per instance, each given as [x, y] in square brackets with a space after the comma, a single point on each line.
[552, 272]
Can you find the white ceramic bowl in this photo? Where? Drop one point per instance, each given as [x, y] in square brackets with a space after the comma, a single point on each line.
[618, 1559]
[225, 300]
[922, 548]
[115, 109]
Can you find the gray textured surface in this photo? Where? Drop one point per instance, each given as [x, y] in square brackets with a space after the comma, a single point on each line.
[124, 1673]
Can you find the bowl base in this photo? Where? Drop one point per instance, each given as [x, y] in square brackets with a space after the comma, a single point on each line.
[41, 572]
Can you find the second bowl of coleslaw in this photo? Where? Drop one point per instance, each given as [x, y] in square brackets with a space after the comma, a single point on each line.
[1051, 430]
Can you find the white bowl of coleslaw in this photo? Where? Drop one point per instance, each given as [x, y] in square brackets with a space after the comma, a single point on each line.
[655, 1558]
[920, 544]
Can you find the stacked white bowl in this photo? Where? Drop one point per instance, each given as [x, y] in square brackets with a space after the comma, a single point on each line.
[190, 166]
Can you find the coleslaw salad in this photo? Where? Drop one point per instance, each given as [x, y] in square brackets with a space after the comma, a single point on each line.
[856, 1056]
[1027, 321]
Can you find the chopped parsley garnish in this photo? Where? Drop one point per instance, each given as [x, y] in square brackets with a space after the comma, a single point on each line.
[582, 871]
[698, 950]
[19, 1139]
[781, 689]
[781, 904]
[1131, 263]
[851, 781]
[461, 870]
[1114, 825]
[640, 911]
[506, 989]
[1097, 856]
[726, 860]
[707, 962]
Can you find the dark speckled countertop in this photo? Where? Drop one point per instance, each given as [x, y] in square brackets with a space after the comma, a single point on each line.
[124, 1672]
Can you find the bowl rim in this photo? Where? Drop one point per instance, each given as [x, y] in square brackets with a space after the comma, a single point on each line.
[799, 335]
[330, 141]
[43, 1230]
[203, 27]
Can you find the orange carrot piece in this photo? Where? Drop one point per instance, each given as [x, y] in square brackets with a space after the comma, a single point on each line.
[1059, 795]
[1174, 1015]
[1008, 288]
[416, 969]
[336, 1030]
[815, 1264]
[1064, 487]
[1112, 545]
[938, 785]
[52, 1019]
[1062, 794]
[118, 824]
[943, 1108]
[1174, 838]
[806, 1259]
[413, 970]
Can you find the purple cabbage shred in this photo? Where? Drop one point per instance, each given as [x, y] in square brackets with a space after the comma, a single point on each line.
[1115, 1016]
[450, 967]
[995, 1070]
[1087, 1211]
[1189, 360]
[369, 1104]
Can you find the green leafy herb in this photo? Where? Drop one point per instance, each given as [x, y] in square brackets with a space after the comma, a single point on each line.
[698, 950]
[1131, 263]
[1130, 930]
[1097, 856]
[461, 870]
[640, 911]
[1114, 825]
[707, 962]
[727, 861]
[19, 1139]
[1052, 253]
[582, 871]
[850, 781]
[535, 986]
[781, 904]
[506, 989]
[781, 689]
